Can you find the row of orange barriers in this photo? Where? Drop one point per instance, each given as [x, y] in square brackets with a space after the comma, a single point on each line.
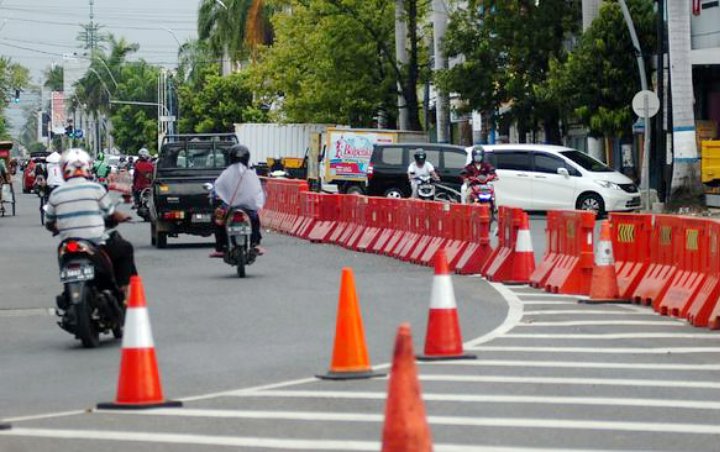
[120, 182]
[671, 263]
[406, 229]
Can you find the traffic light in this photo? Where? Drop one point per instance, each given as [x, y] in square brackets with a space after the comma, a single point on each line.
[17, 96]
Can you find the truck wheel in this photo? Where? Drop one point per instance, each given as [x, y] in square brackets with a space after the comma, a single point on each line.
[355, 190]
[160, 238]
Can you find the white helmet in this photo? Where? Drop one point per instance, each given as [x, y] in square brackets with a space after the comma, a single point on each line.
[75, 163]
[144, 154]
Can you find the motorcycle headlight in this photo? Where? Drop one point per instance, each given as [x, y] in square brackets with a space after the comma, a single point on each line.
[608, 184]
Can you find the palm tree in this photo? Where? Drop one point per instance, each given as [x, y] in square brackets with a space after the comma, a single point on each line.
[54, 78]
[234, 27]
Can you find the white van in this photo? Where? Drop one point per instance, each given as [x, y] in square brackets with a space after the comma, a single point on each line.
[546, 177]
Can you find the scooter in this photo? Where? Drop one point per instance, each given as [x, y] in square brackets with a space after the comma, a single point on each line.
[238, 250]
[91, 302]
[425, 188]
[482, 191]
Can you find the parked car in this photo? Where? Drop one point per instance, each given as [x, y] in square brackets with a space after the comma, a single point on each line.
[545, 177]
[29, 171]
[387, 172]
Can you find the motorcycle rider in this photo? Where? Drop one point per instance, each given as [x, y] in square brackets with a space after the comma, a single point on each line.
[81, 209]
[478, 168]
[100, 167]
[53, 171]
[142, 178]
[239, 186]
[419, 168]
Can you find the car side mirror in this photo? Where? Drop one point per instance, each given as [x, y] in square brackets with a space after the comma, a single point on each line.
[563, 172]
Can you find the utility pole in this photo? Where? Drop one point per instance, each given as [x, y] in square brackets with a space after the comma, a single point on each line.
[657, 160]
[401, 58]
[440, 20]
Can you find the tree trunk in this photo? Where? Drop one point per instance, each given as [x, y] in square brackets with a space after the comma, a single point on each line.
[413, 71]
[686, 188]
[401, 57]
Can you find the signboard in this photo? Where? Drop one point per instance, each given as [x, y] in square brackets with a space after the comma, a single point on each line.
[57, 115]
[646, 104]
[348, 153]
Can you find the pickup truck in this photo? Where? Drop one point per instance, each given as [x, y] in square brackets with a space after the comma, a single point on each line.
[179, 202]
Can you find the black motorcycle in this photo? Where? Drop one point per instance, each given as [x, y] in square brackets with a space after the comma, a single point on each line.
[91, 302]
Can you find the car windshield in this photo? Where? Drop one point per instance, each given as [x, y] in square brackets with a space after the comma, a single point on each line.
[194, 156]
[586, 161]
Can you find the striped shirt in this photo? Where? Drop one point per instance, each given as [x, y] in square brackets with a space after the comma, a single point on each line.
[79, 208]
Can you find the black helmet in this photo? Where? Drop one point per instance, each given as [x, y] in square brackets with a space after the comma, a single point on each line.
[478, 153]
[239, 153]
[420, 156]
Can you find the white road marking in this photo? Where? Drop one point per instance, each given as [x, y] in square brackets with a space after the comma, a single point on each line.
[572, 364]
[507, 379]
[612, 336]
[45, 416]
[606, 322]
[545, 303]
[514, 314]
[590, 312]
[611, 350]
[238, 441]
[492, 398]
[549, 296]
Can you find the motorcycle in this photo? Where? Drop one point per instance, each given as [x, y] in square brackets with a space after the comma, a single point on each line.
[238, 250]
[482, 191]
[143, 209]
[425, 188]
[91, 302]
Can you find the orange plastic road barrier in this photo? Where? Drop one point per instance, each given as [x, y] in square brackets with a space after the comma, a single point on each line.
[551, 256]
[350, 359]
[523, 263]
[631, 249]
[705, 307]
[500, 268]
[345, 209]
[373, 224]
[460, 226]
[664, 248]
[441, 228]
[443, 339]
[406, 428]
[691, 267]
[389, 219]
[427, 229]
[572, 272]
[475, 254]
[139, 382]
[327, 218]
[604, 285]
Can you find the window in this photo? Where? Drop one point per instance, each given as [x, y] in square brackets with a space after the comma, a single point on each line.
[455, 160]
[195, 157]
[433, 156]
[546, 163]
[517, 161]
[392, 156]
[586, 161]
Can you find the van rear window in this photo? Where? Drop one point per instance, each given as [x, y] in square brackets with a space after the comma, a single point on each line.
[391, 156]
[194, 156]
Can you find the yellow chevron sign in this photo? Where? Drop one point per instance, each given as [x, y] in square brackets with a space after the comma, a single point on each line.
[691, 239]
[665, 235]
[626, 233]
[571, 230]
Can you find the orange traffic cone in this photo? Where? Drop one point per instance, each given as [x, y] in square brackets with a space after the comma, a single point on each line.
[523, 264]
[350, 359]
[443, 339]
[139, 382]
[604, 286]
[406, 428]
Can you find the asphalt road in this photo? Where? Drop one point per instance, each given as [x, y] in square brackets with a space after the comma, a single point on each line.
[551, 373]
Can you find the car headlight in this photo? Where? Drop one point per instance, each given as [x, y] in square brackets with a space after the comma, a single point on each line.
[608, 184]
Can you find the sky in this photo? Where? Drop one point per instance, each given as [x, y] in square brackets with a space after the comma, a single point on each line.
[36, 33]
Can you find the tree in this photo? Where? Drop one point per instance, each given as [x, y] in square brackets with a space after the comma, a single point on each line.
[600, 77]
[504, 49]
[54, 78]
[12, 76]
[216, 103]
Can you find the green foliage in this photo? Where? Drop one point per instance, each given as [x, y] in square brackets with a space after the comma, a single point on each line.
[600, 77]
[329, 62]
[54, 78]
[36, 147]
[135, 126]
[215, 103]
[12, 76]
[505, 48]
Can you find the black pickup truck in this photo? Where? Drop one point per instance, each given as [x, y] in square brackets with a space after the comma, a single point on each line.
[179, 202]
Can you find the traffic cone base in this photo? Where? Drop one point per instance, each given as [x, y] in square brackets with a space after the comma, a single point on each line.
[350, 358]
[144, 406]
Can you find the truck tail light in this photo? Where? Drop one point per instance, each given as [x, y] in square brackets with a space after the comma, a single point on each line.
[174, 215]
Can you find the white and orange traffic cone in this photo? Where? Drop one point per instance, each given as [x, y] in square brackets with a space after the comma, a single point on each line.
[604, 285]
[139, 382]
[523, 264]
[443, 339]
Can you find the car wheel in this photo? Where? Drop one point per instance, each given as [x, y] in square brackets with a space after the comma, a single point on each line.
[592, 202]
[394, 192]
[355, 190]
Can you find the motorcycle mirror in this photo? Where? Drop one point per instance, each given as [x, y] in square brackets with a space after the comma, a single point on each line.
[208, 186]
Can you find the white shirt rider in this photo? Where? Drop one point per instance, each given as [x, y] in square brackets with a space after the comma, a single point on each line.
[415, 171]
[54, 171]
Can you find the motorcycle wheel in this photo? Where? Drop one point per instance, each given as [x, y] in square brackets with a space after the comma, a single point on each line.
[241, 263]
[86, 330]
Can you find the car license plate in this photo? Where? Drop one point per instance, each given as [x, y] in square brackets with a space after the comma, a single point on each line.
[240, 229]
[201, 218]
[77, 273]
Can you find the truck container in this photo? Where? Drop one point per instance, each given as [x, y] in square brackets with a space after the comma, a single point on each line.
[272, 140]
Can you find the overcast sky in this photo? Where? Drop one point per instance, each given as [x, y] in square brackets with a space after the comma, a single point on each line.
[36, 33]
